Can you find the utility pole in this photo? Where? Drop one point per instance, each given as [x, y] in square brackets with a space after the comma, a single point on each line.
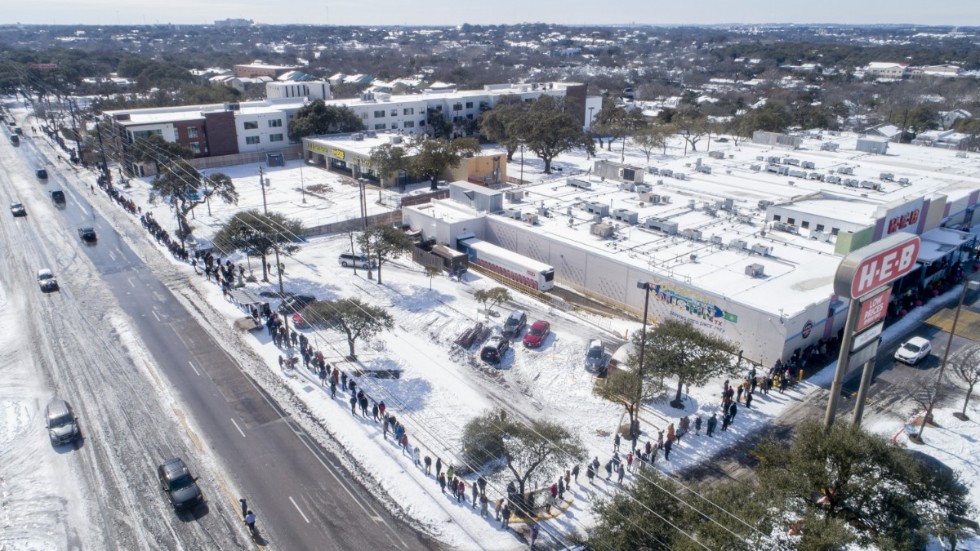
[106, 175]
[74, 130]
[645, 285]
[275, 244]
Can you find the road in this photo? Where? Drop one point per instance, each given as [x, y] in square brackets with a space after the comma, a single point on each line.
[150, 382]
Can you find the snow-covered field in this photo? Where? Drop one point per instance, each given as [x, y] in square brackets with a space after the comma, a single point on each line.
[442, 388]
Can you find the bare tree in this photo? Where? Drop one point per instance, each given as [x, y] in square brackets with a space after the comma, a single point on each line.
[966, 364]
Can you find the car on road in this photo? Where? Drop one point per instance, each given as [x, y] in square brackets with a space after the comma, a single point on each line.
[15, 140]
[495, 348]
[58, 197]
[181, 488]
[87, 234]
[41, 173]
[61, 423]
[47, 281]
[356, 260]
[536, 335]
[294, 304]
[913, 351]
[17, 209]
[514, 324]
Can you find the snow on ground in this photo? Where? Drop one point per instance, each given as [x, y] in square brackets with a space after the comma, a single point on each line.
[441, 388]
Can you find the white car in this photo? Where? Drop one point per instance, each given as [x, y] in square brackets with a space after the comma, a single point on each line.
[913, 351]
[45, 278]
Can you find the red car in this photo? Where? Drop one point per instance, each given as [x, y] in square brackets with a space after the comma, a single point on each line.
[536, 335]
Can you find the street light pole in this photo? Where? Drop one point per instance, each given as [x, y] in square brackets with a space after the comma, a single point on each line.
[645, 285]
[967, 285]
[522, 165]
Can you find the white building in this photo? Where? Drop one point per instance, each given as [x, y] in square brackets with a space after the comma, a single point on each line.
[313, 90]
[884, 69]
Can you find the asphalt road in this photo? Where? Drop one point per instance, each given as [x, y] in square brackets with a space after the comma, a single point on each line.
[302, 495]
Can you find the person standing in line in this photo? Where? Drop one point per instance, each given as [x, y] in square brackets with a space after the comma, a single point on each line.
[561, 488]
[668, 445]
[482, 483]
[353, 404]
[609, 469]
[731, 414]
[712, 422]
[616, 442]
[575, 473]
[450, 473]
[505, 517]
[460, 491]
[428, 465]
[415, 456]
[533, 537]
[590, 474]
[629, 462]
[476, 494]
[748, 400]
[374, 411]
[496, 509]
[621, 474]
[697, 426]
[438, 465]
[442, 482]
[244, 503]
[483, 505]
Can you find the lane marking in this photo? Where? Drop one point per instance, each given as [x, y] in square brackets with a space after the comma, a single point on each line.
[237, 427]
[154, 312]
[131, 284]
[298, 509]
[194, 368]
[112, 256]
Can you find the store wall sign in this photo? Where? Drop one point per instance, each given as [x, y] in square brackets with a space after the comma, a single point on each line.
[876, 265]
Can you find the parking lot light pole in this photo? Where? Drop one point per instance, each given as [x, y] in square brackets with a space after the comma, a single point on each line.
[967, 285]
[645, 285]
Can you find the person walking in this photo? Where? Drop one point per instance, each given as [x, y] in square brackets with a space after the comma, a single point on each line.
[250, 522]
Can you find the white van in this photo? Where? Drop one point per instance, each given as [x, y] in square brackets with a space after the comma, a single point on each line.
[356, 260]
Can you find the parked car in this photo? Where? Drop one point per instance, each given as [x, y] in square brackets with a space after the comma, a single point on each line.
[293, 304]
[356, 260]
[913, 351]
[595, 358]
[495, 348]
[87, 234]
[181, 488]
[514, 324]
[41, 173]
[61, 423]
[47, 281]
[17, 209]
[536, 335]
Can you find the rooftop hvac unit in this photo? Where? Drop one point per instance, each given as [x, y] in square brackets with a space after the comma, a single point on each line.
[598, 208]
[666, 226]
[764, 250]
[755, 168]
[763, 205]
[851, 182]
[831, 179]
[666, 172]
[514, 195]
[641, 188]
[791, 161]
[788, 228]
[371, 133]
[797, 173]
[755, 270]
[581, 184]
[904, 181]
[627, 186]
[774, 160]
[652, 198]
[512, 213]
[653, 170]
[809, 165]
[680, 176]
[744, 219]
[760, 158]
[626, 215]
[531, 218]
[829, 146]
[738, 244]
[716, 239]
[815, 176]
[704, 169]
[692, 204]
[358, 137]
[728, 204]
[395, 139]
[602, 230]
[716, 154]
[665, 199]
[691, 234]
[846, 170]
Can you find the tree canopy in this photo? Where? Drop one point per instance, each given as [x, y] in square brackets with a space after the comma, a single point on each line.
[351, 316]
[676, 348]
[179, 183]
[433, 156]
[548, 130]
[384, 242]
[318, 118]
[257, 234]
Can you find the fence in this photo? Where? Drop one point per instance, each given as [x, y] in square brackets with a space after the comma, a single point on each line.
[288, 153]
[393, 217]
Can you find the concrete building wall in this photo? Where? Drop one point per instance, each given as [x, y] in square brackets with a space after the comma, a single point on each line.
[270, 131]
[222, 137]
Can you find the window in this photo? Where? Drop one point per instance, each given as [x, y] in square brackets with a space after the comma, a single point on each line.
[394, 126]
[195, 148]
[409, 124]
[408, 111]
[252, 140]
[275, 123]
[422, 122]
[791, 220]
[469, 105]
[379, 114]
[457, 107]
[192, 133]
[275, 137]
[144, 134]
[819, 227]
[469, 116]
[394, 112]
[776, 218]
[835, 231]
[251, 125]
[804, 224]
[629, 174]
[379, 126]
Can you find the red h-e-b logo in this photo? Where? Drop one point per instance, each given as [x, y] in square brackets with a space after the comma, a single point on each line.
[903, 221]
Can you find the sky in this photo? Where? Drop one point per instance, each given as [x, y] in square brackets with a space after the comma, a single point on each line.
[456, 12]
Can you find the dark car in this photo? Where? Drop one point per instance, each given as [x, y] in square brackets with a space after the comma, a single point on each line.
[537, 334]
[17, 209]
[41, 173]
[493, 352]
[181, 488]
[294, 304]
[87, 235]
[514, 324]
[58, 197]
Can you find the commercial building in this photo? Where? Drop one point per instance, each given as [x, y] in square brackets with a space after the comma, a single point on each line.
[252, 70]
[741, 251]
